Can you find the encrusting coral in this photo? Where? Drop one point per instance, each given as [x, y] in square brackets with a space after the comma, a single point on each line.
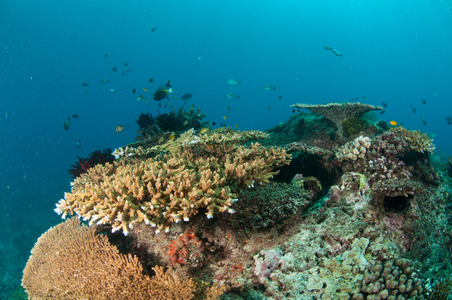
[191, 174]
[70, 261]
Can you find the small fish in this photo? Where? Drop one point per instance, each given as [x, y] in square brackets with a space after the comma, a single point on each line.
[423, 120]
[114, 69]
[268, 107]
[107, 54]
[161, 139]
[213, 123]
[134, 91]
[125, 70]
[161, 94]
[79, 144]
[268, 87]
[104, 80]
[423, 101]
[232, 96]
[75, 116]
[153, 29]
[364, 97]
[236, 125]
[293, 110]
[85, 84]
[393, 123]
[384, 104]
[228, 108]
[168, 84]
[172, 136]
[186, 96]
[151, 80]
[140, 97]
[382, 111]
[119, 128]
[146, 90]
[233, 82]
[126, 64]
[113, 91]
[185, 122]
[332, 50]
[204, 130]
[66, 124]
[449, 120]
[412, 108]
[224, 117]
[279, 97]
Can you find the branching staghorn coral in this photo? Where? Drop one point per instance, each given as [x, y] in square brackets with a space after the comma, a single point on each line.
[191, 173]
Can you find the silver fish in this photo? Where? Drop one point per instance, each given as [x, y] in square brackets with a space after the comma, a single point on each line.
[232, 96]
[268, 87]
[233, 82]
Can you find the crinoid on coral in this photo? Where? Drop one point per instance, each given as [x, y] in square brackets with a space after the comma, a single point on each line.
[176, 121]
[145, 121]
[353, 126]
[94, 158]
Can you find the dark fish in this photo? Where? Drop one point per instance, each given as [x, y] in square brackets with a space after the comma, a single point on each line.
[382, 111]
[134, 91]
[160, 94]
[279, 97]
[107, 54]
[412, 108]
[153, 29]
[104, 80]
[186, 96]
[67, 123]
[75, 116]
[115, 69]
[213, 123]
[151, 80]
[85, 84]
[449, 120]
[423, 101]
[384, 104]
[293, 110]
[126, 64]
[79, 144]
[423, 120]
[168, 84]
[364, 97]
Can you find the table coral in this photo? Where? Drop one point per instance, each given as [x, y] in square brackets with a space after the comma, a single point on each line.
[338, 112]
[191, 174]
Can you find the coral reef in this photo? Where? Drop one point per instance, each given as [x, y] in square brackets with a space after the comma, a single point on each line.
[365, 215]
[94, 158]
[195, 173]
[338, 112]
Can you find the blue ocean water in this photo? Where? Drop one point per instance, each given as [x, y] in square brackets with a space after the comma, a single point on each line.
[398, 52]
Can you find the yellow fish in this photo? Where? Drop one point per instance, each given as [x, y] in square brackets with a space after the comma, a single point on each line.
[393, 123]
[204, 130]
[119, 128]
[146, 90]
[161, 139]
[224, 117]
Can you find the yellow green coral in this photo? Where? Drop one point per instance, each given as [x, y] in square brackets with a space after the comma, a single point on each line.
[416, 140]
[191, 173]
